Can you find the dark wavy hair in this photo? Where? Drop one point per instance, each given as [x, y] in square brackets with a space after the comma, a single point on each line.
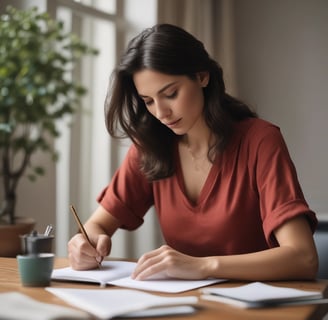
[171, 50]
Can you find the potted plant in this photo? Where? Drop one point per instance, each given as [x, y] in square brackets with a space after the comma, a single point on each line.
[36, 57]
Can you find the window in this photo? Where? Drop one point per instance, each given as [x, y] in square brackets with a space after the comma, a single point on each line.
[88, 157]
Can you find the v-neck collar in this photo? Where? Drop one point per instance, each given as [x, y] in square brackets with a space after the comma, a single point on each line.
[207, 187]
[239, 129]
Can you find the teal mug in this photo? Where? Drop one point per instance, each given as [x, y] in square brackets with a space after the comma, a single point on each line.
[35, 269]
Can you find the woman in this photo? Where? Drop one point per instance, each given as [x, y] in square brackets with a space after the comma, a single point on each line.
[221, 180]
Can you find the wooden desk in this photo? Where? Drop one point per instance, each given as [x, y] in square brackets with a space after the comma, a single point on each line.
[9, 281]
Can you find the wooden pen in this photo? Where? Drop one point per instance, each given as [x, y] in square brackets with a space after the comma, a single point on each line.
[83, 231]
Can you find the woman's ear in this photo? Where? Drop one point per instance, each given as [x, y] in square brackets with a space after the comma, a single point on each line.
[203, 78]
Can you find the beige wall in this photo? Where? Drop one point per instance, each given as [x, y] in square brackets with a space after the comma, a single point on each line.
[38, 199]
[282, 70]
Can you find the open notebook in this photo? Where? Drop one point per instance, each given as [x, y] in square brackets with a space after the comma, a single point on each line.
[118, 273]
[258, 294]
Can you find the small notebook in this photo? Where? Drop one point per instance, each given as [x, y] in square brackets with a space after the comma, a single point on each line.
[111, 303]
[118, 273]
[258, 294]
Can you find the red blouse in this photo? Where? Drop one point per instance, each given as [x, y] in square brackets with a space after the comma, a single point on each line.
[251, 190]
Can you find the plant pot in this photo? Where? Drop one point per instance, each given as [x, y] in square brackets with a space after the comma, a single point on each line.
[10, 241]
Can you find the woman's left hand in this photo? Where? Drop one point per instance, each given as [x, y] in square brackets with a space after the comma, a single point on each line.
[166, 262]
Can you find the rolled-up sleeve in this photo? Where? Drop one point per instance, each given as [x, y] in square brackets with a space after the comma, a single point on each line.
[280, 194]
[129, 195]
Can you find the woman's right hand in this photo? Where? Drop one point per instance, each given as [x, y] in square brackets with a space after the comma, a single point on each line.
[83, 256]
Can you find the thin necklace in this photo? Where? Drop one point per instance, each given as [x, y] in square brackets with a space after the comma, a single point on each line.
[198, 161]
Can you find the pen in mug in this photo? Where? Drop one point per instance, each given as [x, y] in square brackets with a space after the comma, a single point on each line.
[48, 230]
[79, 223]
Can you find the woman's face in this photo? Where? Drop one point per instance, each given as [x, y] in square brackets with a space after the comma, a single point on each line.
[176, 101]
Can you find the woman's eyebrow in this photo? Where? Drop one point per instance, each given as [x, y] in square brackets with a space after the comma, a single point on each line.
[162, 89]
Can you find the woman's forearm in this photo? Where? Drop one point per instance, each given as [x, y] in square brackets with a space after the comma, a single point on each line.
[273, 264]
[101, 222]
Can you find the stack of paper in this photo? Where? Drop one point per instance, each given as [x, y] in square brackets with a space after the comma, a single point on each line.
[257, 294]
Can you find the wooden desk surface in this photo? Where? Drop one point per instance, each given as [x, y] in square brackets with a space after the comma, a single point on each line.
[9, 281]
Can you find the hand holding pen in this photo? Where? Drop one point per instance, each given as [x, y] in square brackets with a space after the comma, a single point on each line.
[82, 229]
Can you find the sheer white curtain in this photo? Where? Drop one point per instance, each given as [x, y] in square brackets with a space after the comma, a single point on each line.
[84, 162]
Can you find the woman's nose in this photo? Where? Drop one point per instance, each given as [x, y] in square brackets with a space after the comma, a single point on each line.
[162, 111]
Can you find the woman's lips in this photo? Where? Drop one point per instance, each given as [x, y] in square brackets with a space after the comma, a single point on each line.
[173, 123]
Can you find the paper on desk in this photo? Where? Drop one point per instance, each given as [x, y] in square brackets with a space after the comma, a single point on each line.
[167, 285]
[258, 294]
[18, 306]
[110, 303]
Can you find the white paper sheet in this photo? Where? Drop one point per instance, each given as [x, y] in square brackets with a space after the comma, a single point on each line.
[109, 303]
